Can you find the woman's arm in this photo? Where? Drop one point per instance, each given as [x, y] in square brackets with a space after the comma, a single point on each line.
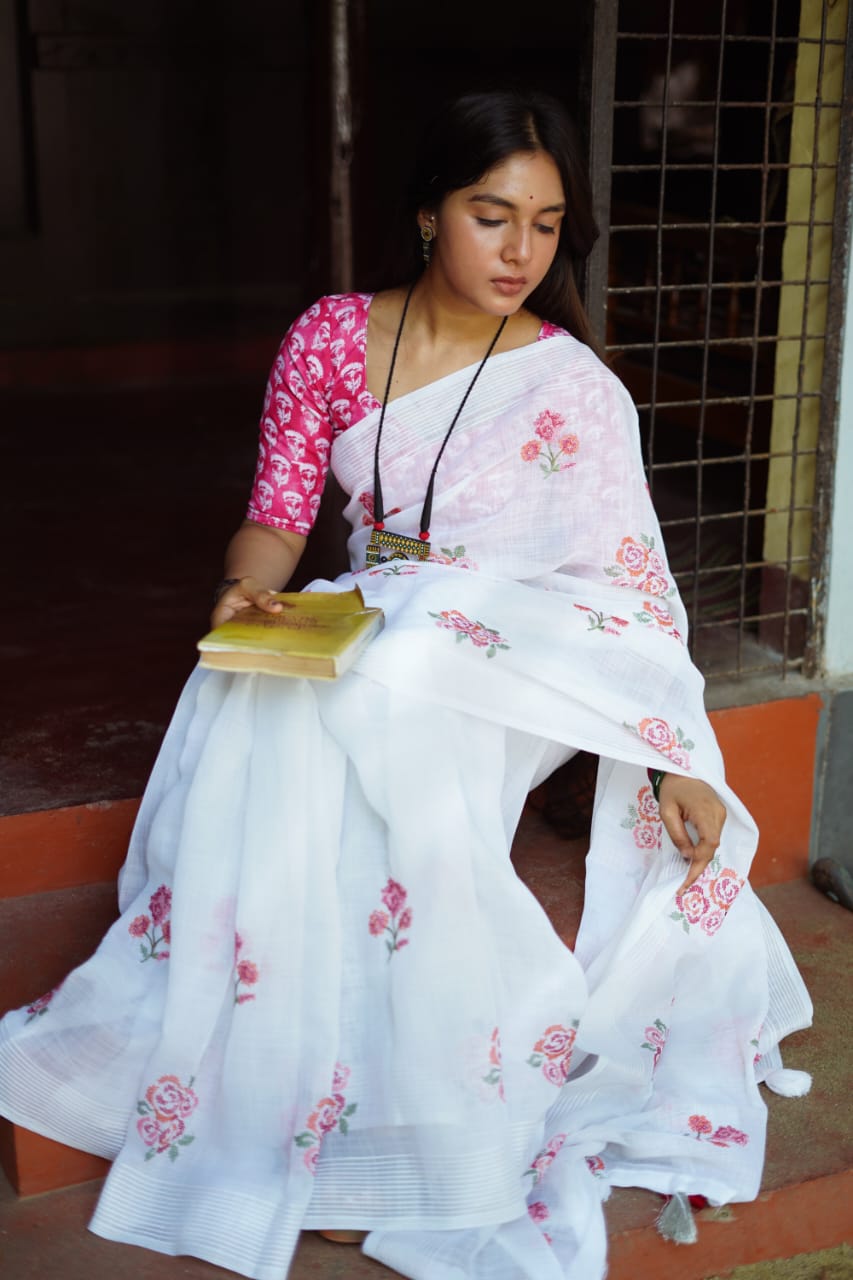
[260, 560]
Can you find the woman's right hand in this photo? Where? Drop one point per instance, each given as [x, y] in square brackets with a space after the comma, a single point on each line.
[240, 595]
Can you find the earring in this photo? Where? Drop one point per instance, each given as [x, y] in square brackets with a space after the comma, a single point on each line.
[427, 237]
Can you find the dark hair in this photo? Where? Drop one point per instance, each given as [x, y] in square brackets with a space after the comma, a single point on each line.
[478, 131]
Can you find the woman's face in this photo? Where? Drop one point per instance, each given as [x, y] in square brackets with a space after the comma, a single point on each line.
[495, 240]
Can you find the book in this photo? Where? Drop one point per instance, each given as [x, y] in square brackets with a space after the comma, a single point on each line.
[317, 634]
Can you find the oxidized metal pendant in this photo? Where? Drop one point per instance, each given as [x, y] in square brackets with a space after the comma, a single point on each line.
[384, 546]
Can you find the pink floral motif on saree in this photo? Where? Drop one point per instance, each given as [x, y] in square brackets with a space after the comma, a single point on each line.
[643, 820]
[609, 624]
[553, 1053]
[552, 446]
[163, 1114]
[663, 738]
[328, 1115]
[394, 920]
[145, 926]
[481, 636]
[724, 1135]
[640, 566]
[708, 900]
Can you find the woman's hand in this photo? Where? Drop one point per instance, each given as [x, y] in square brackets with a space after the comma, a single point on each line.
[685, 800]
[240, 595]
[256, 555]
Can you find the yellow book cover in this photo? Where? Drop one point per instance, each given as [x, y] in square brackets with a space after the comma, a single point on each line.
[318, 634]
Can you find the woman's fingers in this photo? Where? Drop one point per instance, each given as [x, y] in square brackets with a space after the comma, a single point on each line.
[686, 800]
[240, 596]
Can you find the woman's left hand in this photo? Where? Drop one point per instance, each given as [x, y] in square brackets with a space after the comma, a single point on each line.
[685, 800]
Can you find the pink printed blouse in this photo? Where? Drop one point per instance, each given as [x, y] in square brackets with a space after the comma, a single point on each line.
[317, 389]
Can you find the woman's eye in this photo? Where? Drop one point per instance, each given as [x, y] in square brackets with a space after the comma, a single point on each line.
[548, 231]
[490, 222]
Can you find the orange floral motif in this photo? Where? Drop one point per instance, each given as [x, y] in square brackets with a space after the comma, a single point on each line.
[494, 1075]
[553, 1052]
[655, 615]
[329, 1114]
[163, 1114]
[641, 566]
[709, 898]
[663, 738]
[643, 820]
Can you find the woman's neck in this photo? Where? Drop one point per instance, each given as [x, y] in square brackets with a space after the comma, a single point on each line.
[442, 319]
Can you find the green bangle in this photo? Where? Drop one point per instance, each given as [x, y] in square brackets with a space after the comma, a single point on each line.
[656, 777]
[222, 587]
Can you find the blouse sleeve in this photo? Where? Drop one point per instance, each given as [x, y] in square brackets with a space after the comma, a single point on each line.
[296, 429]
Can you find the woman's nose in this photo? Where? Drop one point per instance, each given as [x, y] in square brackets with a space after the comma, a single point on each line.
[519, 245]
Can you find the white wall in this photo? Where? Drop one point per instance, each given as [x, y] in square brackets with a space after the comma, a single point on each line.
[838, 653]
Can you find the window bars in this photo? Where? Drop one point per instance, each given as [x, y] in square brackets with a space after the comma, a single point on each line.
[724, 298]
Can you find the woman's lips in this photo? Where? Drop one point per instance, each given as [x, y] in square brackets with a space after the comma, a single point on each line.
[510, 285]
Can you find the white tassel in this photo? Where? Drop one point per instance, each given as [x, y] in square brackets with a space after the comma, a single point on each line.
[675, 1221]
[788, 1083]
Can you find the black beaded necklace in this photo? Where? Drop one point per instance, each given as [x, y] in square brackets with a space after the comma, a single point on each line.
[400, 546]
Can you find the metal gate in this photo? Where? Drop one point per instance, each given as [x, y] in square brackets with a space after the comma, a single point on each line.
[721, 149]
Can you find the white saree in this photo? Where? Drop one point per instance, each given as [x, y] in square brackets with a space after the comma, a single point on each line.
[329, 1001]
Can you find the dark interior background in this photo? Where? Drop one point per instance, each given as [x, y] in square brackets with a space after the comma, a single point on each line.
[163, 218]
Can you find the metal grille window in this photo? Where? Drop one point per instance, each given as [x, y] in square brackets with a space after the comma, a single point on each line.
[720, 294]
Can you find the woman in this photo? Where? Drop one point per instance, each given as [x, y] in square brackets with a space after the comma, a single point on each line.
[357, 1017]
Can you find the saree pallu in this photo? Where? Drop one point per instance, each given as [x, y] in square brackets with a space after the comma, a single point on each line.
[329, 1001]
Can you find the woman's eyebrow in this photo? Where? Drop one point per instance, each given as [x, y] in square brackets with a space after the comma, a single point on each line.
[508, 204]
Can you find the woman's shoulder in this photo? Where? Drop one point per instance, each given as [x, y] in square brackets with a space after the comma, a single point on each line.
[337, 310]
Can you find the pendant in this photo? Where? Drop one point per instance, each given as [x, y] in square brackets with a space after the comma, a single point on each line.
[399, 546]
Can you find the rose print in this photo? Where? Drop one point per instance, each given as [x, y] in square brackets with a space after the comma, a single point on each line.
[647, 806]
[145, 926]
[600, 621]
[452, 555]
[595, 1164]
[708, 899]
[702, 1129]
[647, 836]
[246, 973]
[655, 1040]
[329, 1114]
[545, 1158]
[663, 738]
[643, 820]
[42, 1004]
[640, 565]
[395, 920]
[655, 615]
[539, 1211]
[163, 1112]
[725, 1134]
[494, 1076]
[693, 903]
[725, 888]
[555, 453]
[553, 1053]
[481, 636]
